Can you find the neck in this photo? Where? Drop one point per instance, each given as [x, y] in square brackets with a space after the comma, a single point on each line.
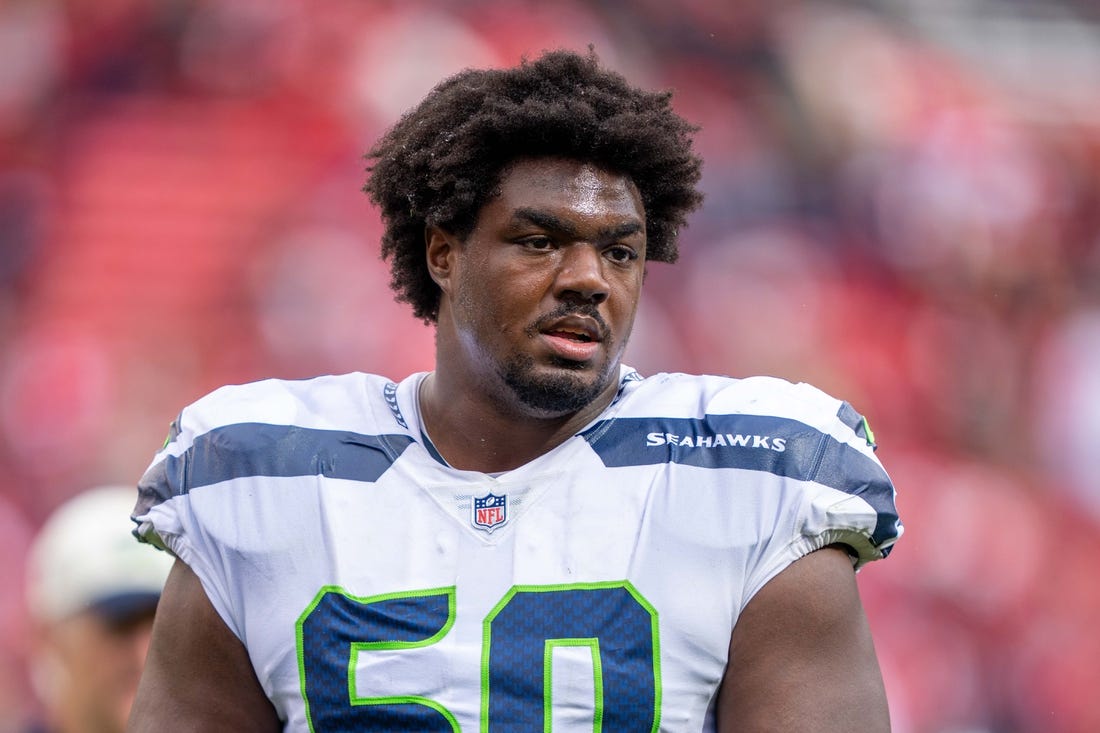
[475, 432]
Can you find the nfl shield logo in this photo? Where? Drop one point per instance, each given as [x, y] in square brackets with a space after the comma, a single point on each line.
[490, 511]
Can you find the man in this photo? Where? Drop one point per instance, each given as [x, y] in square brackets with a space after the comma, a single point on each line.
[91, 594]
[531, 536]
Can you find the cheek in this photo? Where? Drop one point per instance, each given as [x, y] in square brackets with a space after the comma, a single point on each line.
[500, 304]
[625, 305]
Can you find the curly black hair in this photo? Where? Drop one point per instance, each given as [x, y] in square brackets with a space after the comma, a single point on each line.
[441, 161]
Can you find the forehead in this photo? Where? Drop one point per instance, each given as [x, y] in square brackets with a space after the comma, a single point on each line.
[569, 186]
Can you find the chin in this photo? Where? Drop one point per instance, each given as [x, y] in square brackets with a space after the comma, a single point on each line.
[566, 388]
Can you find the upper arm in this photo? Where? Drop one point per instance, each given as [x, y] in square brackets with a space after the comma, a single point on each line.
[197, 676]
[801, 655]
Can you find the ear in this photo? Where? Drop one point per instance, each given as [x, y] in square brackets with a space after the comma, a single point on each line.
[441, 251]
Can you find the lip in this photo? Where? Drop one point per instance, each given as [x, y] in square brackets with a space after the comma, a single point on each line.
[561, 336]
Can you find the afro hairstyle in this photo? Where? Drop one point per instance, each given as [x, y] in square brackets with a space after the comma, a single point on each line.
[439, 164]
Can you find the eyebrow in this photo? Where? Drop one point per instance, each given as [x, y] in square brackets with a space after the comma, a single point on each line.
[554, 223]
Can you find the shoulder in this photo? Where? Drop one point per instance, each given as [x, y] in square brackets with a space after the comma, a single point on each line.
[696, 396]
[795, 436]
[279, 428]
[342, 426]
[687, 411]
[327, 402]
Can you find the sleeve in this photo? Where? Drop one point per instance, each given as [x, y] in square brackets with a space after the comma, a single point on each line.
[851, 499]
[826, 486]
[166, 514]
[157, 486]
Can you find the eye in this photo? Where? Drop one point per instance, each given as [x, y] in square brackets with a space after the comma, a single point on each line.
[621, 253]
[537, 242]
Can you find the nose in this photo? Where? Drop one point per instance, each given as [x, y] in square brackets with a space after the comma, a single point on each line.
[581, 274]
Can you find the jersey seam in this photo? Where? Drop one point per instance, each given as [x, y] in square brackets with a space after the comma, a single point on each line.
[819, 456]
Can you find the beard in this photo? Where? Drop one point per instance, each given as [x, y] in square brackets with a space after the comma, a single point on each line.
[559, 393]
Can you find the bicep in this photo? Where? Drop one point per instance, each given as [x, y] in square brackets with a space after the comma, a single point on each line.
[801, 655]
[197, 676]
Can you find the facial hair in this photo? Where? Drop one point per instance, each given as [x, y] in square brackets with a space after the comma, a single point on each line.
[556, 394]
[560, 393]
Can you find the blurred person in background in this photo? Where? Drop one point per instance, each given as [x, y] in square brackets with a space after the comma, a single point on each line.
[92, 593]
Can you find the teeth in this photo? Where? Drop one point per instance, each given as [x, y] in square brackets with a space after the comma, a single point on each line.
[574, 335]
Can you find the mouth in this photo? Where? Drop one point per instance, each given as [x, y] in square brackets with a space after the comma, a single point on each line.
[574, 338]
[582, 337]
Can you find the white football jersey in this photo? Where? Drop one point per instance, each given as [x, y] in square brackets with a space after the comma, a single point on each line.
[377, 588]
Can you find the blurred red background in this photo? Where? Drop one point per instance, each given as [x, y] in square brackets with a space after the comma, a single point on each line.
[901, 209]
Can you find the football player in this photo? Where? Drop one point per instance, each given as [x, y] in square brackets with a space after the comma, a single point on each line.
[531, 536]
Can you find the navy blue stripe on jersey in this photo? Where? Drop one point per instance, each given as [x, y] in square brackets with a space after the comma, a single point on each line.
[850, 417]
[259, 449]
[432, 451]
[779, 446]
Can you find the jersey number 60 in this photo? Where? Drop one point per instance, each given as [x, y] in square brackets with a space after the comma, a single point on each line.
[518, 640]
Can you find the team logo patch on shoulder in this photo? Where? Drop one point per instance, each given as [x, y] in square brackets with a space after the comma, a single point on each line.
[490, 512]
